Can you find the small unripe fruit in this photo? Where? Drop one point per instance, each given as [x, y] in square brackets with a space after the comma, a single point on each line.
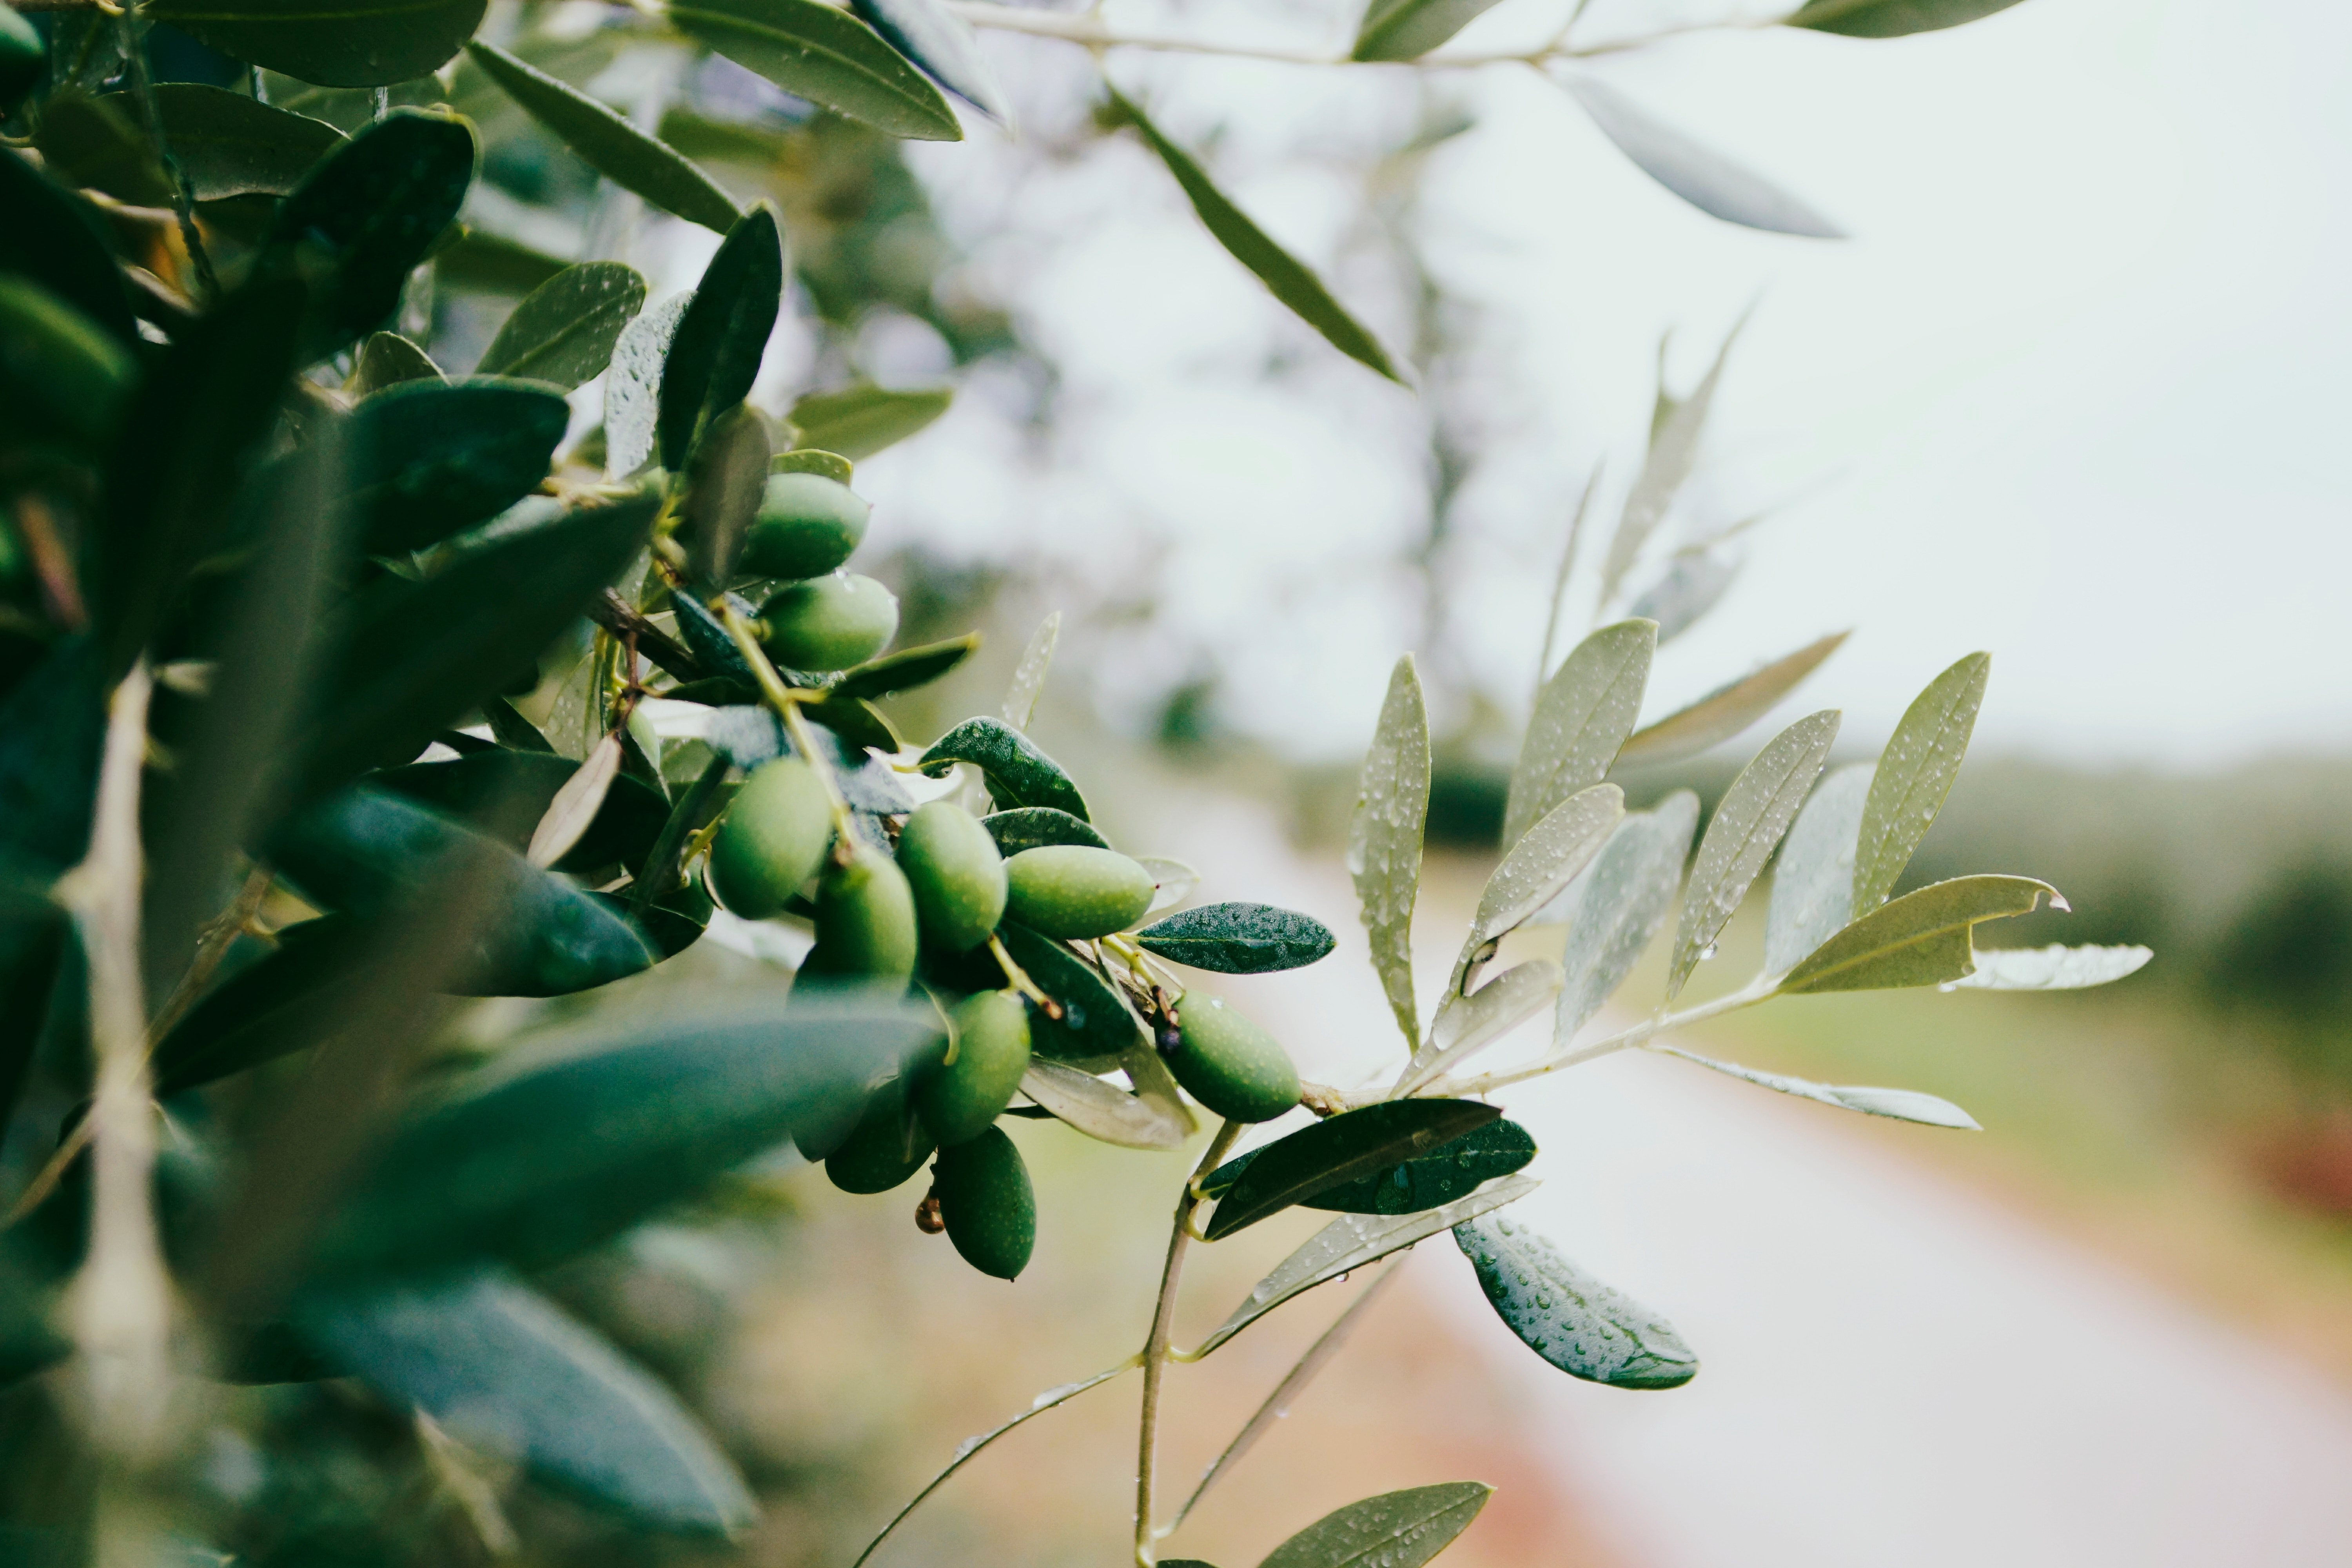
[60, 372]
[865, 921]
[24, 59]
[775, 834]
[1071, 890]
[962, 1100]
[807, 525]
[887, 1147]
[988, 1206]
[829, 623]
[1230, 1064]
[957, 872]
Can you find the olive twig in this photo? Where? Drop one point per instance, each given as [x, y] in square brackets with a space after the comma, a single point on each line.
[1155, 1344]
[779, 696]
[1018, 978]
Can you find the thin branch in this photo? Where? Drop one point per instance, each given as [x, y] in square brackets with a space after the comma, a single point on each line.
[1155, 1345]
[133, 38]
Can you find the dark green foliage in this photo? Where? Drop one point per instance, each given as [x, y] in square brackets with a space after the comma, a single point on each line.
[1451, 1171]
[53, 237]
[52, 729]
[228, 145]
[1093, 1030]
[505, 792]
[1239, 939]
[328, 41]
[715, 352]
[908, 668]
[1018, 773]
[285, 1002]
[1333, 1153]
[431, 458]
[1033, 826]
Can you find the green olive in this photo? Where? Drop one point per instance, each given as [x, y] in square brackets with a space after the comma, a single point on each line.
[957, 872]
[985, 1199]
[1230, 1064]
[807, 525]
[773, 839]
[60, 372]
[887, 1147]
[829, 623]
[865, 921]
[1072, 890]
[962, 1100]
[23, 59]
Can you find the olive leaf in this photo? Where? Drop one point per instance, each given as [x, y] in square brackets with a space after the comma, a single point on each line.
[1755, 812]
[505, 792]
[333, 43]
[1694, 583]
[1408, 29]
[1286, 277]
[428, 459]
[1445, 1174]
[1582, 717]
[283, 1002]
[825, 55]
[2054, 968]
[1018, 773]
[1102, 1110]
[1812, 885]
[809, 460]
[1095, 1030]
[1396, 1530]
[859, 421]
[1890, 18]
[1538, 870]
[55, 238]
[1239, 938]
[907, 669]
[1350, 1242]
[1919, 939]
[476, 259]
[228, 145]
[387, 359]
[1673, 453]
[1342, 1149]
[1571, 1319]
[611, 145]
[98, 143]
[52, 732]
[1466, 1025]
[726, 480]
[565, 330]
[1172, 881]
[1384, 838]
[856, 722]
[1034, 827]
[1727, 711]
[942, 42]
[1029, 675]
[633, 386]
[715, 350]
[499, 1364]
[1896, 1104]
[1617, 908]
[1914, 776]
[1700, 176]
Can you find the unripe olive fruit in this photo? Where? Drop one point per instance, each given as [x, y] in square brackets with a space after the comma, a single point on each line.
[807, 525]
[887, 1147]
[957, 872]
[1230, 1064]
[1072, 890]
[773, 837]
[985, 1199]
[962, 1100]
[865, 921]
[23, 59]
[829, 623]
[60, 372]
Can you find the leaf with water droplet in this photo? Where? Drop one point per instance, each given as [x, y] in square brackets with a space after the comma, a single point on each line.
[1896, 1104]
[1812, 885]
[1725, 711]
[2054, 968]
[1396, 1530]
[1343, 1149]
[1911, 779]
[1582, 716]
[1385, 835]
[1466, 1025]
[1920, 939]
[1616, 908]
[1538, 869]
[1580, 1325]
[1756, 810]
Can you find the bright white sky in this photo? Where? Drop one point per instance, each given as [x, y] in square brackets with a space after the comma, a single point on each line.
[2074, 393]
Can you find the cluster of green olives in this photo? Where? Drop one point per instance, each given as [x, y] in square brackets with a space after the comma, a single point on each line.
[823, 618]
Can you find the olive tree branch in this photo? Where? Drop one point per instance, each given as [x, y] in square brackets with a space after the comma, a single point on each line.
[1155, 1344]
[132, 35]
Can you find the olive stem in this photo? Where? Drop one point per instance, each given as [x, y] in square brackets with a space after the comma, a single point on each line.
[1018, 978]
[779, 697]
[1155, 1345]
[213, 946]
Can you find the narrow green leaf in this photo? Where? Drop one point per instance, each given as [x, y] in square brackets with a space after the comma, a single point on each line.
[55, 237]
[429, 458]
[1812, 884]
[1466, 1025]
[1029, 675]
[505, 792]
[1018, 773]
[228, 145]
[908, 668]
[574, 1134]
[565, 331]
[1582, 716]
[1571, 1319]
[363, 217]
[1445, 1174]
[1384, 838]
[1288, 279]
[1725, 711]
[1896, 1104]
[829, 58]
[725, 481]
[1694, 583]
[858, 722]
[1408, 29]
[1755, 812]
[1172, 881]
[1673, 453]
[1914, 776]
[1700, 176]
[1539, 870]
[1103, 1111]
[286, 1001]
[1891, 18]
[611, 145]
[1617, 909]
[334, 43]
[1350, 1242]
[100, 144]
[502, 1367]
[942, 43]
[1034, 827]
[859, 421]
[387, 359]
[1096, 1030]
[1342, 1149]
[1239, 938]
[1920, 939]
[809, 460]
[714, 353]
[492, 263]
[633, 388]
[1395, 1529]
[2052, 968]
[52, 732]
